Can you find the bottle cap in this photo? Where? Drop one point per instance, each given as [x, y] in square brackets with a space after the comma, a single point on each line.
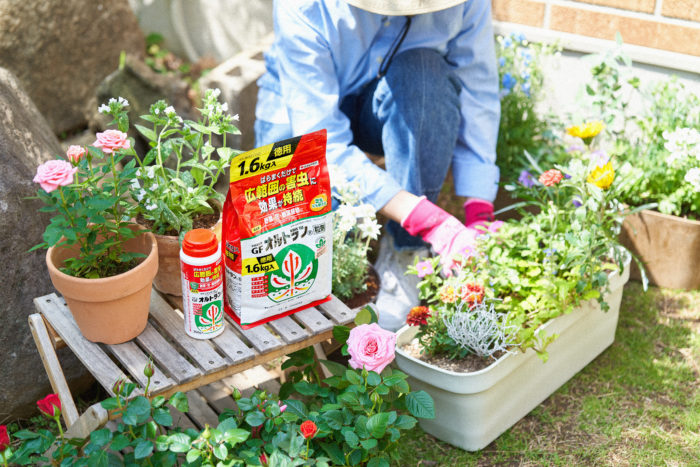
[200, 243]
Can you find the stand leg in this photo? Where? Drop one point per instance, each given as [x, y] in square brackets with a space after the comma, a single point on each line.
[53, 368]
[319, 354]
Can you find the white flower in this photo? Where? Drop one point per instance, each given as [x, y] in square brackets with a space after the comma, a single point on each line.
[169, 110]
[151, 207]
[111, 100]
[151, 171]
[682, 143]
[123, 102]
[153, 187]
[370, 229]
[224, 107]
[103, 109]
[235, 117]
[346, 217]
[190, 190]
[693, 177]
[156, 111]
[337, 175]
[216, 92]
[140, 195]
[365, 210]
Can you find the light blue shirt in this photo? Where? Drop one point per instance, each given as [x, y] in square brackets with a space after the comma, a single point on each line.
[325, 50]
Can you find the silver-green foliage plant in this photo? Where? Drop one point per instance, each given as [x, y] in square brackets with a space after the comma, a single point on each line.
[171, 195]
[354, 226]
[481, 330]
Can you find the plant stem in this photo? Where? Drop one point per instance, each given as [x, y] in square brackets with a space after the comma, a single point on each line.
[57, 419]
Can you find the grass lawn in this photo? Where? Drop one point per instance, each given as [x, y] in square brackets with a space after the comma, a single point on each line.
[636, 404]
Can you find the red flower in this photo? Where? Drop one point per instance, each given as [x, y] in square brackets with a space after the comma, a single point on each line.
[472, 293]
[4, 438]
[418, 315]
[551, 177]
[308, 429]
[49, 404]
[263, 459]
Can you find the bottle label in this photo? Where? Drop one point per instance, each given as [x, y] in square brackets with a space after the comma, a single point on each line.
[202, 298]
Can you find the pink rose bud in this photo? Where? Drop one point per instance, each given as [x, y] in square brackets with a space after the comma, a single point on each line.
[75, 153]
[53, 174]
[371, 347]
[111, 140]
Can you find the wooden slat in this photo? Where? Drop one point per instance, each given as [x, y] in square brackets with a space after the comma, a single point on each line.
[44, 344]
[288, 330]
[166, 356]
[219, 396]
[338, 311]
[90, 354]
[313, 320]
[135, 361]
[233, 347]
[259, 337]
[181, 419]
[200, 412]
[171, 322]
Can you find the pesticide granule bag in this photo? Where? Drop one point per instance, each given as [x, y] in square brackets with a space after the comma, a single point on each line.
[277, 230]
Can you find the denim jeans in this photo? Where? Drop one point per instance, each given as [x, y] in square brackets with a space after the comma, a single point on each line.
[411, 116]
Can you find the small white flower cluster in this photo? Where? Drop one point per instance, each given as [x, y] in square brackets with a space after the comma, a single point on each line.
[481, 329]
[682, 143]
[212, 108]
[352, 212]
[113, 105]
[693, 177]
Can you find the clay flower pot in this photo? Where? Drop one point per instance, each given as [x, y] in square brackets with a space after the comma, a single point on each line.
[113, 309]
[669, 247]
[168, 278]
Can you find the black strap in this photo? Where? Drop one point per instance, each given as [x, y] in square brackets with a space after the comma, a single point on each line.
[394, 47]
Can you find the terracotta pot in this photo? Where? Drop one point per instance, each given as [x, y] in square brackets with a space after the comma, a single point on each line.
[168, 278]
[669, 247]
[114, 309]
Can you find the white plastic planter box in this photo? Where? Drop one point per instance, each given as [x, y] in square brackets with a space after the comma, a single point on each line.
[473, 409]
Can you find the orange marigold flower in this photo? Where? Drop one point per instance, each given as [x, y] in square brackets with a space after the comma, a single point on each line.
[472, 293]
[551, 177]
[418, 315]
[447, 294]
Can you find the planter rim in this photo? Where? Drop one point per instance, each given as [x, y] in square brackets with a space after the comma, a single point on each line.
[164, 237]
[669, 217]
[102, 280]
[614, 276]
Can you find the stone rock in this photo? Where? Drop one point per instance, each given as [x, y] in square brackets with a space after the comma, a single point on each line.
[141, 86]
[61, 50]
[26, 140]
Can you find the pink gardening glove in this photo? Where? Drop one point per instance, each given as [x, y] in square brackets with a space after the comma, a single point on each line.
[478, 214]
[444, 232]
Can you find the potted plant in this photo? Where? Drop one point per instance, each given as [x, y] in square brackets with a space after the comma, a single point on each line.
[548, 286]
[100, 261]
[662, 142]
[355, 281]
[175, 180]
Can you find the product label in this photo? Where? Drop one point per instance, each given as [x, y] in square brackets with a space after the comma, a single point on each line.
[202, 298]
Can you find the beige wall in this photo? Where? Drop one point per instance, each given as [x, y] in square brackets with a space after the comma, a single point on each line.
[670, 25]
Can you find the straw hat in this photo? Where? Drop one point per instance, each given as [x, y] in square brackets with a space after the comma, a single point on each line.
[403, 7]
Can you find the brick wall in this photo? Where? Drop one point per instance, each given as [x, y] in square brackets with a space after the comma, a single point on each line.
[665, 25]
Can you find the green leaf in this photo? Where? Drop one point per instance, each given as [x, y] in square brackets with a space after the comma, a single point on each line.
[341, 334]
[334, 419]
[373, 378]
[378, 462]
[179, 401]
[335, 368]
[137, 412]
[420, 404]
[369, 443]
[101, 437]
[179, 442]
[334, 452]
[143, 449]
[147, 132]
[119, 442]
[220, 451]
[304, 388]
[236, 435]
[377, 424]
[351, 438]
[193, 455]
[353, 377]
[255, 418]
[364, 316]
[110, 404]
[405, 422]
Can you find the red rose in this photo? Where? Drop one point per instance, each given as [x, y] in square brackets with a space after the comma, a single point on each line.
[551, 177]
[263, 459]
[4, 438]
[308, 429]
[49, 404]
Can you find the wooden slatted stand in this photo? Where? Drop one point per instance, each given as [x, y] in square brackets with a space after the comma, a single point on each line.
[181, 363]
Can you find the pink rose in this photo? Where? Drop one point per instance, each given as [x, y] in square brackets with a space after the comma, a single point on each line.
[371, 347]
[53, 174]
[75, 153]
[111, 140]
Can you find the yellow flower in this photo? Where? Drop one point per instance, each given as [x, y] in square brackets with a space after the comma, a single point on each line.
[586, 131]
[447, 294]
[602, 176]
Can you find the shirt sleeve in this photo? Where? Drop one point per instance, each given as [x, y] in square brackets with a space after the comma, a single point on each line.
[309, 84]
[473, 54]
